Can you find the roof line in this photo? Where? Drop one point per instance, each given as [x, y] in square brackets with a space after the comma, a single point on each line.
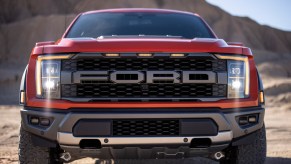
[139, 10]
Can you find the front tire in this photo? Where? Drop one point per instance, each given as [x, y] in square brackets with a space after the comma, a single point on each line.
[31, 154]
[249, 154]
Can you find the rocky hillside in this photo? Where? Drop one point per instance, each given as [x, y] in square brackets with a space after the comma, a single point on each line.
[226, 26]
[24, 22]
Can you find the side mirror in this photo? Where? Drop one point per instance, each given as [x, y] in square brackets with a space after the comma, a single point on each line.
[235, 43]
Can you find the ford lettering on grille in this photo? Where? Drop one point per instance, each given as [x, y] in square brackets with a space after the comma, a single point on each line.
[145, 76]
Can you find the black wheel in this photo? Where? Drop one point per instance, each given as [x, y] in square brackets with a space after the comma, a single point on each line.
[30, 154]
[249, 154]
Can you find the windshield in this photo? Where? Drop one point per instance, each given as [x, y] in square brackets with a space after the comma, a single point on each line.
[139, 24]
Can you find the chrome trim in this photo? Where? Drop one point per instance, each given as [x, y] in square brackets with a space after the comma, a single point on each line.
[65, 138]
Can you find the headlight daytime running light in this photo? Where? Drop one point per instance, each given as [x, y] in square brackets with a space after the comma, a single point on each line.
[48, 75]
[238, 75]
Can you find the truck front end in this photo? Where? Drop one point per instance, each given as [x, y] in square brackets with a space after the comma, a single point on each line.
[141, 83]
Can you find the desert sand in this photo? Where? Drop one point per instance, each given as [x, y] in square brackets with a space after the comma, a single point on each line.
[277, 122]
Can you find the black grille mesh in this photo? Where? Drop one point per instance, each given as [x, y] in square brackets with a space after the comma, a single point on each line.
[143, 90]
[146, 127]
[135, 64]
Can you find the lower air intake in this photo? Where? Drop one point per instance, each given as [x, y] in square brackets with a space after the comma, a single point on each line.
[145, 127]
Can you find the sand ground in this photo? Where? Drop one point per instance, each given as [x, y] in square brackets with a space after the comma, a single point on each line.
[277, 122]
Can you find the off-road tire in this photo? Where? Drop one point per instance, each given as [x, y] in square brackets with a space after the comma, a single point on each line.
[31, 154]
[254, 153]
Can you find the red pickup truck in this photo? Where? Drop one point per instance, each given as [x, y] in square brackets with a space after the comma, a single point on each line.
[141, 84]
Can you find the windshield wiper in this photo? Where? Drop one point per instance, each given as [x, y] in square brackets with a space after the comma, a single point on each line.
[139, 36]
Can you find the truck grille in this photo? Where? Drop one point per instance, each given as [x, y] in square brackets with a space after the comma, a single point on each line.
[159, 90]
[146, 127]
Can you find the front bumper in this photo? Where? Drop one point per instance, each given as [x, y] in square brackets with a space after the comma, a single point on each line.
[63, 122]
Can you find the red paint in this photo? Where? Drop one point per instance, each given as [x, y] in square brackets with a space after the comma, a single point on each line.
[139, 45]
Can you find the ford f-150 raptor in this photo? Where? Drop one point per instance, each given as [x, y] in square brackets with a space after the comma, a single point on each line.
[141, 84]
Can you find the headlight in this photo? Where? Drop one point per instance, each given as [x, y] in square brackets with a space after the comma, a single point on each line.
[238, 75]
[48, 76]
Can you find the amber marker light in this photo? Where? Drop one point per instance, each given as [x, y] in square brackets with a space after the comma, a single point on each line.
[145, 55]
[111, 55]
[38, 68]
[261, 97]
[177, 55]
[22, 97]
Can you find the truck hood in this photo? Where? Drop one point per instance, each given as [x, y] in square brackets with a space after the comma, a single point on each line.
[74, 45]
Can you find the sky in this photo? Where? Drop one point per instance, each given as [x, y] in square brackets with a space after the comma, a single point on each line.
[274, 13]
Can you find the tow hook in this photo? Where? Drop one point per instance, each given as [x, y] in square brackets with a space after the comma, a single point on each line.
[66, 156]
[218, 155]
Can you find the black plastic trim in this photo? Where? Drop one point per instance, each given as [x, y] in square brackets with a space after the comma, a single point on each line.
[198, 127]
[239, 110]
[92, 128]
[244, 140]
[42, 142]
[104, 127]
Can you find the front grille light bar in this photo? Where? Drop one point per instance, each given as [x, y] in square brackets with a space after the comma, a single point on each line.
[145, 55]
[177, 55]
[112, 55]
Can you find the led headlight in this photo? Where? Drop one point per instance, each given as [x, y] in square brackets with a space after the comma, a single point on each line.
[48, 76]
[238, 75]
[236, 79]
